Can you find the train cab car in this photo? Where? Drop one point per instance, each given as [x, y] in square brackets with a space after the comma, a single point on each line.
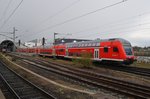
[117, 49]
[129, 53]
[114, 50]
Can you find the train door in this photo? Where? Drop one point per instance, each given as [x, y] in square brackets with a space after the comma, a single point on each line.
[66, 52]
[96, 54]
[54, 52]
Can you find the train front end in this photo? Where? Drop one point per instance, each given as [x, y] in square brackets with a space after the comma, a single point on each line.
[128, 51]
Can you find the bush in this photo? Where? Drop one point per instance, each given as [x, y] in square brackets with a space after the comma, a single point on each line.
[75, 60]
[84, 61]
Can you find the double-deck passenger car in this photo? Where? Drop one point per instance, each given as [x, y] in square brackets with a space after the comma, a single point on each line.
[114, 50]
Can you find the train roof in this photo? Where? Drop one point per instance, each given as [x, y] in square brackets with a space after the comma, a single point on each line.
[97, 42]
[121, 40]
[102, 40]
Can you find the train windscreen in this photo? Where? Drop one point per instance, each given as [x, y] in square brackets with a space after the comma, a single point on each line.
[128, 50]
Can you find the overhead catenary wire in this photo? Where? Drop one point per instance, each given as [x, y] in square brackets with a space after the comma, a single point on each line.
[83, 15]
[116, 34]
[54, 15]
[11, 14]
[118, 30]
[6, 36]
[118, 23]
[122, 28]
[5, 11]
[126, 32]
[80, 16]
[6, 32]
[114, 23]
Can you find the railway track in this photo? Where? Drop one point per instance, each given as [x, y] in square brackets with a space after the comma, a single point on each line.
[101, 81]
[133, 70]
[16, 87]
[5, 89]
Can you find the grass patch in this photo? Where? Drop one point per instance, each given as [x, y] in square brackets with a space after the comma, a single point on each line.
[142, 65]
[84, 61]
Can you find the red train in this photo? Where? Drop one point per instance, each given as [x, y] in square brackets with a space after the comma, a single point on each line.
[114, 50]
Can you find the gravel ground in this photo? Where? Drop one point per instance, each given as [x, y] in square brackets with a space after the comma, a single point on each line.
[116, 74]
[59, 92]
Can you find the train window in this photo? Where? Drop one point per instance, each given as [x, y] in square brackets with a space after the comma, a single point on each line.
[89, 44]
[97, 44]
[93, 44]
[115, 49]
[86, 44]
[77, 45]
[61, 50]
[71, 45]
[105, 49]
[82, 45]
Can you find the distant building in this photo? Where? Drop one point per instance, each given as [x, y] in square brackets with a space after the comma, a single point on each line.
[29, 44]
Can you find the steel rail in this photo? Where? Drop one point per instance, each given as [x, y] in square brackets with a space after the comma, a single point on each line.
[25, 81]
[9, 87]
[134, 89]
[128, 69]
[100, 82]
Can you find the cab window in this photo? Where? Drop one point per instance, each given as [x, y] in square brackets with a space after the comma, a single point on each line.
[128, 51]
[105, 49]
[115, 49]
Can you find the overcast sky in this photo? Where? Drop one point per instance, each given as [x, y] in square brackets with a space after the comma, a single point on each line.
[41, 18]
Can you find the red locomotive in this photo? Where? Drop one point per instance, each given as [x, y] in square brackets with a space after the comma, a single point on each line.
[114, 50]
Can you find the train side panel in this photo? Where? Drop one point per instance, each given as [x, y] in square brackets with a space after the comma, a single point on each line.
[112, 51]
[78, 52]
